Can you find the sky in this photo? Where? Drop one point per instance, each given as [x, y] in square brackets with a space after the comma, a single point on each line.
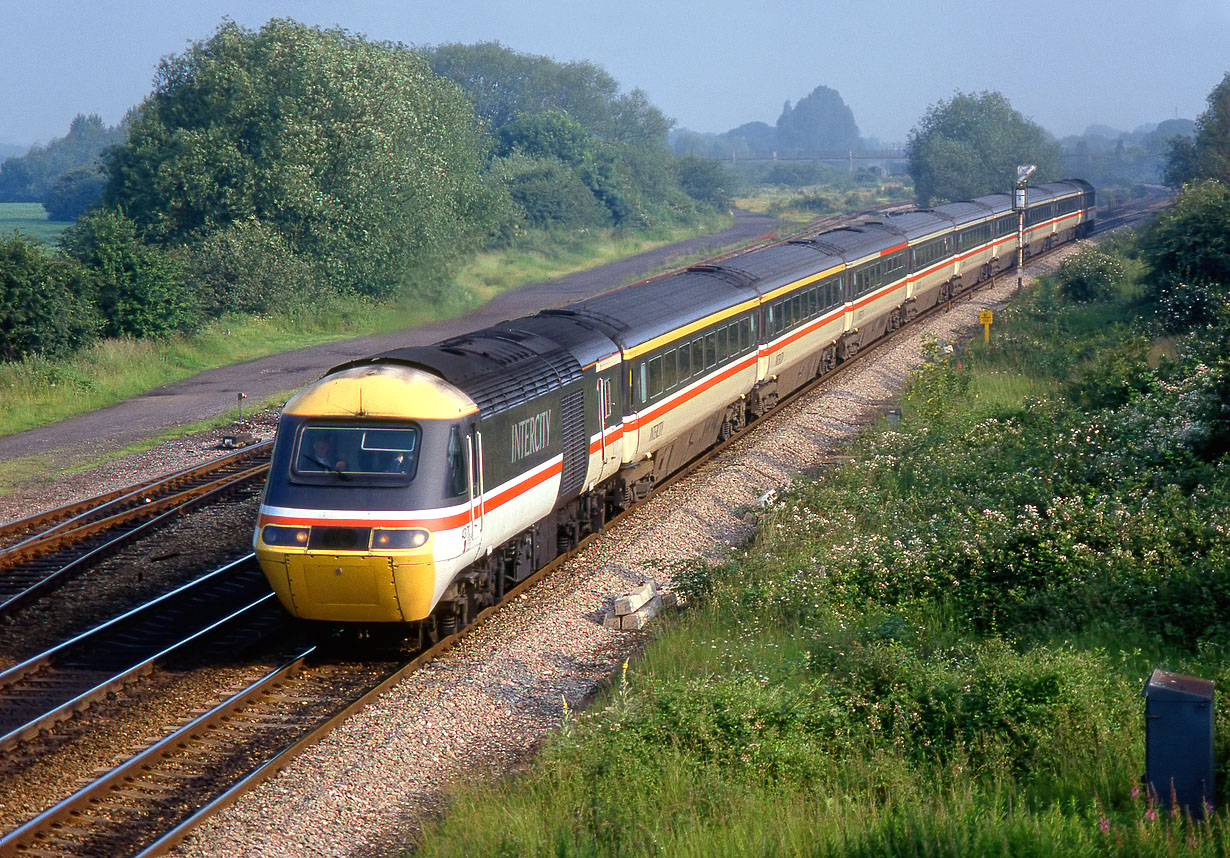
[712, 65]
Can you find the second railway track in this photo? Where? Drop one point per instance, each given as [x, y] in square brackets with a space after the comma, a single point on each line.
[43, 551]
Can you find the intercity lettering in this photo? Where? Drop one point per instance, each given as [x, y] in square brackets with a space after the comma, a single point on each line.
[531, 435]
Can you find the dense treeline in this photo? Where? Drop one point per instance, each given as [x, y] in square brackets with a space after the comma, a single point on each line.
[820, 123]
[275, 168]
[65, 175]
[570, 147]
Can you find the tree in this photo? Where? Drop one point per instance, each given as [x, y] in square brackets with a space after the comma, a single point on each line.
[705, 180]
[571, 113]
[549, 134]
[503, 83]
[73, 192]
[1190, 240]
[753, 139]
[1212, 145]
[1179, 163]
[820, 123]
[354, 152]
[139, 290]
[44, 302]
[30, 178]
[552, 194]
[971, 145]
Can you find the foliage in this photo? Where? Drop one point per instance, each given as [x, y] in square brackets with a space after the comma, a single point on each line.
[31, 177]
[821, 123]
[795, 174]
[249, 267]
[139, 290]
[571, 114]
[76, 190]
[1180, 166]
[362, 160]
[1206, 154]
[503, 83]
[1187, 247]
[750, 140]
[551, 194]
[1090, 274]
[1212, 153]
[705, 180]
[972, 144]
[550, 134]
[44, 302]
[1107, 157]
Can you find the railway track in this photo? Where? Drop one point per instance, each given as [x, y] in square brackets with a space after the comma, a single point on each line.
[45, 550]
[149, 803]
[212, 616]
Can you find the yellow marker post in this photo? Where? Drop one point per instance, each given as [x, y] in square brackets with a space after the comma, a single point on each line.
[984, 319]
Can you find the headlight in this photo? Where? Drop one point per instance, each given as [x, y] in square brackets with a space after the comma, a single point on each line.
[398, 539]
[281, 535]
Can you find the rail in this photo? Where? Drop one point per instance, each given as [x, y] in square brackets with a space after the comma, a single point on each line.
[78, 535]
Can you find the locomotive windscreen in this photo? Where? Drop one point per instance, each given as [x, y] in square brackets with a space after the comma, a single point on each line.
[356, 452]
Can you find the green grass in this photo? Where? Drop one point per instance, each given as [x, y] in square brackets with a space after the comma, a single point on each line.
[937, 649]
[30, 219]
[38, 391]
[45, 469]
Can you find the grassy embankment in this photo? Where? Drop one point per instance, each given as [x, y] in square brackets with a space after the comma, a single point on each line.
[40, 391]
[937, 649]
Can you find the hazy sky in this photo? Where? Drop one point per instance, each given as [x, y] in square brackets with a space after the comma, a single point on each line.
[711, 65]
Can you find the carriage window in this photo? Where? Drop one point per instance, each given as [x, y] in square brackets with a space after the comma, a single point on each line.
[644, 384]
[655, 376]
[685, 362]
[723, 344]
[698, 355]
[670, 369]
[710, 350]
[745, 334]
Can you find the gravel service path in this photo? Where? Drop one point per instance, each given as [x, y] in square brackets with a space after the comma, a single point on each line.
[482, 709]
[213, 393]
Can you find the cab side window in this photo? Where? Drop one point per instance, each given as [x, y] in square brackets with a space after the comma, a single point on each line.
[456, 464]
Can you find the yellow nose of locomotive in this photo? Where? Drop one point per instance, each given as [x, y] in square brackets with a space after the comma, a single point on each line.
[372, 584]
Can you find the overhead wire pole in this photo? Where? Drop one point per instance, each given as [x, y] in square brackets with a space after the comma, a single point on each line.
[1023, 173]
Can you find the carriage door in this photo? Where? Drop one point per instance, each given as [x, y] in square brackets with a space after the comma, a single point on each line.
[606, 407]
[477, 499]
